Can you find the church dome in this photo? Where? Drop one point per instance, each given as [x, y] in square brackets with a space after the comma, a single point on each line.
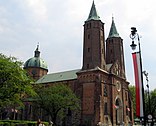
[36, 61]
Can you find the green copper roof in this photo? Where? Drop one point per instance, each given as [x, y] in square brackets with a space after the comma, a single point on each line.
[36, 61]
[93, 13]
[113, 32]
[61, 76]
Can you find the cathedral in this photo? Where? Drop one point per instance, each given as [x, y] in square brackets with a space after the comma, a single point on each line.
[101, 82]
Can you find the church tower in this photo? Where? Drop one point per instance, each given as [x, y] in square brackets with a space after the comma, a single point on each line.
[114, 49]
[94, 47]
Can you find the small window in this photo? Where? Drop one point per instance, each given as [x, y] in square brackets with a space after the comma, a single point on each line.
[89, 25]
[105, 91]
[127, 110]
[87, 66]
[88, 36]
[88, 49]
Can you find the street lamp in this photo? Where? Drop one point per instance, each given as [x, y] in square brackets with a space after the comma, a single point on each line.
[134, 35]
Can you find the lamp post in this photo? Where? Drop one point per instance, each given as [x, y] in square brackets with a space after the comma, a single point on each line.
[150, 118]
[148, 92]
[134, 35]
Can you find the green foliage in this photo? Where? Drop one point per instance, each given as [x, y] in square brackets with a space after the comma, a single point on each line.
[132, 93]
[153, 102]
[14, 82]
[149, 105]
[19, 122]
[56, 99]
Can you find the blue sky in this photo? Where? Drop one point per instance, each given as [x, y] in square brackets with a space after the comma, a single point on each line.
[58, 27]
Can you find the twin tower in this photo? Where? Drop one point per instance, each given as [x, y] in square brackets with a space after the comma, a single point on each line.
[95, 54]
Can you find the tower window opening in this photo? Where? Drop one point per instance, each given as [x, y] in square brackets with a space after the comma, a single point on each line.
[87, 66]
[88, 36]
[126, 110]
[88, 49]
[112, 41]
[89, 25]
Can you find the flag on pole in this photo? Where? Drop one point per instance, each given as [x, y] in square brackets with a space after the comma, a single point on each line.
[138, 84]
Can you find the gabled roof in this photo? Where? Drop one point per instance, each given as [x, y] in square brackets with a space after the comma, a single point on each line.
[60, 76]
[113, 31]
[93, 15]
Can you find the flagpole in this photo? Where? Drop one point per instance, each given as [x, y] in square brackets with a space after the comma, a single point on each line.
[133, 35]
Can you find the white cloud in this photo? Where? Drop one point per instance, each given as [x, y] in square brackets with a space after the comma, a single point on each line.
[36, 8]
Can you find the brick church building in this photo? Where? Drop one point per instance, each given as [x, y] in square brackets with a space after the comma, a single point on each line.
[101, 82]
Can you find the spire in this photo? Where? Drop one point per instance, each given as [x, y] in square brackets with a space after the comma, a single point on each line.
[113, 32]
[37, 52]
[93, 13]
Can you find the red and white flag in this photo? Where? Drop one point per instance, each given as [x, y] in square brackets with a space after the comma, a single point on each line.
[128, 109]
[138, 84]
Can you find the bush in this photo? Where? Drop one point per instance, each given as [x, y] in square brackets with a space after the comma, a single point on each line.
[19, 123]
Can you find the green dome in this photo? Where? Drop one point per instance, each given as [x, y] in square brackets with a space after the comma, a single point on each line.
[36, 62]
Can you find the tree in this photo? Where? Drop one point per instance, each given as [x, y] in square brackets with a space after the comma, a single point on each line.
[149, 108]
[57, 99]
[151, 105]
[14, 82]
[132, 93]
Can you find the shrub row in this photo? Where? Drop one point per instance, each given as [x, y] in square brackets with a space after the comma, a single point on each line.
[19, 123]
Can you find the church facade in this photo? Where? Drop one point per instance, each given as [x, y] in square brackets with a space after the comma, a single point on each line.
[101, 82]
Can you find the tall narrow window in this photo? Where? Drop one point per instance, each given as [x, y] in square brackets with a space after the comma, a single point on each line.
[126, 96]
[88, 49]
[127, 110]
[105, 109]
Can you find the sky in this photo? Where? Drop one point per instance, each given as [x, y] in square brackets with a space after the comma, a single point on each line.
[57, 26]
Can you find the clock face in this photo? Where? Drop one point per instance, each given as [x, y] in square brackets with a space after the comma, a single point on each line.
[118, 86]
